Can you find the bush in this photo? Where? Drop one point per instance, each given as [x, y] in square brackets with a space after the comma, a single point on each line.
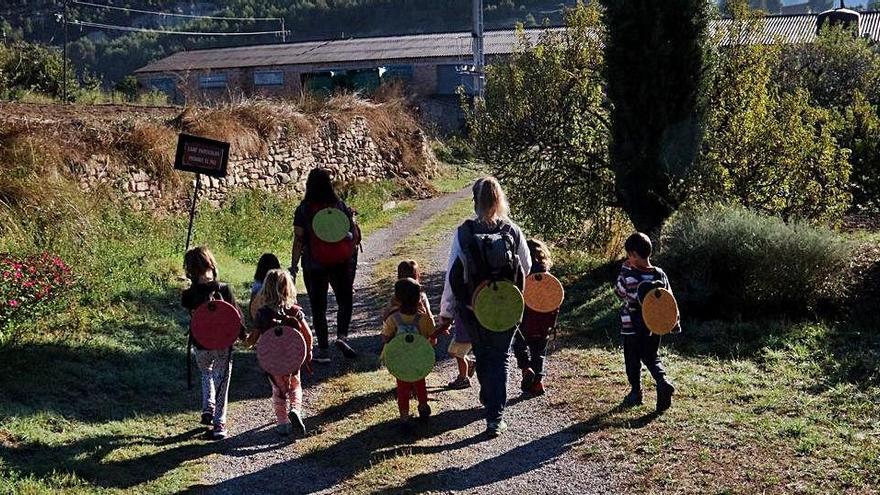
[766, 149]
[731, 262]
[29, 286]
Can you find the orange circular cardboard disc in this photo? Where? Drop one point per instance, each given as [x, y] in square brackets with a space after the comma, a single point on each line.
[543, 292]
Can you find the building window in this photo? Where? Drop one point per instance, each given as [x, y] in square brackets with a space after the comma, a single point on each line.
[213, 81]
[269, 78]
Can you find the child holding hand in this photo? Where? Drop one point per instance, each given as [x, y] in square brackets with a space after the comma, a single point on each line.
[410, 269]
[530, 341]
[408, 319]
[280, 308]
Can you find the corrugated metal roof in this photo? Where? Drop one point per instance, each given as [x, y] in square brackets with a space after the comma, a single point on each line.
[800, 28]
[388, 49]
[778, 28]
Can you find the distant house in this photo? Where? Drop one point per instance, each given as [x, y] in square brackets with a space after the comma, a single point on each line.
[431, 66]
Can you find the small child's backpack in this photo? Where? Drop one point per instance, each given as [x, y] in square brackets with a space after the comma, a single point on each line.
[332, 250]
[406, 328]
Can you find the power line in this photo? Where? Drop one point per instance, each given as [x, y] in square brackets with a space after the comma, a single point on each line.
[114, 27]
[170, 14]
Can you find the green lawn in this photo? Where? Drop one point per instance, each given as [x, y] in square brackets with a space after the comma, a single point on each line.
[94, 399]
[761, 407]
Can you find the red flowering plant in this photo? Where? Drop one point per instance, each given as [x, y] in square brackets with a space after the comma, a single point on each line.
[30, 285]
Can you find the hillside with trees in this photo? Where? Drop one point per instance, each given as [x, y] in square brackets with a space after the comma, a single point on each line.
[113, 54]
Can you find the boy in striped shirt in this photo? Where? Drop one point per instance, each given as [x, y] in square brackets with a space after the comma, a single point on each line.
[639, 344]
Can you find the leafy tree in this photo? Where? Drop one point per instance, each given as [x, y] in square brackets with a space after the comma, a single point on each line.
[860, 133]
[768, 150]
[32, 67]
[656, 58]
[129, 87]
[543, 128]
[832, 69]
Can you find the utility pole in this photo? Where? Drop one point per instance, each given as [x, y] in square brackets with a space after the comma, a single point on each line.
[64, 70]
[479, 56]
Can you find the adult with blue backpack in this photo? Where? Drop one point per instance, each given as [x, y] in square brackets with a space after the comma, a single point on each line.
[488, 263]
[326, 238]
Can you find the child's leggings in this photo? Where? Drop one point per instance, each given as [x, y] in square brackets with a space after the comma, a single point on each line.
[216, 370]
[286, 389]
[404, 392]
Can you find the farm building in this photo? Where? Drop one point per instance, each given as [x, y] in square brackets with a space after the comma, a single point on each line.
[429, 65]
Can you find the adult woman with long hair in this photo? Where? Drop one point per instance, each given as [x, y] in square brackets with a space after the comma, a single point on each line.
[322, 265]
[468, 263]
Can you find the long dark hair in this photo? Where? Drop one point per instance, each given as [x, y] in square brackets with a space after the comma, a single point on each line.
[319, 188]
[268, 261]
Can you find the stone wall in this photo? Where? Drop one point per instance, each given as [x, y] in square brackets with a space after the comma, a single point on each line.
[351, 154]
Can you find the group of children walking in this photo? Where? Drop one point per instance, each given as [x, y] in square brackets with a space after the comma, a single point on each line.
[409, 311]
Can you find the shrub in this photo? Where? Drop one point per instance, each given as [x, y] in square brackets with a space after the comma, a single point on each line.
[732, 262]
[543, 129]
[766, 149]
[30, 285]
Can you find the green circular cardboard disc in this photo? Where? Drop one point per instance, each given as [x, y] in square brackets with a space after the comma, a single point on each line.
[409, 357]
[498, 306]
[331, 225]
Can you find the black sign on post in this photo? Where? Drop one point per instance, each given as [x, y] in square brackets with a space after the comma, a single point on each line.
[202, 156]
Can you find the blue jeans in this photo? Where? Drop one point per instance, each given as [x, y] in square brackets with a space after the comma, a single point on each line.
[492, 350]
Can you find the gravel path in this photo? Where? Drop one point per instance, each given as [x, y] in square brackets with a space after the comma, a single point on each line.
[534, 456]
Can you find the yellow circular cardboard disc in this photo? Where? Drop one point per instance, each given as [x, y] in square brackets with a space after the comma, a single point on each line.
[498, 306]
[660, 311]
[409, 357]
[331, 225]
[543, 292]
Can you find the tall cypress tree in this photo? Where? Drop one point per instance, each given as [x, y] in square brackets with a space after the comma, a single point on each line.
[656, 59]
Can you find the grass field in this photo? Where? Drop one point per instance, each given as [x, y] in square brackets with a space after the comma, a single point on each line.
[761, 407]
[94, 399]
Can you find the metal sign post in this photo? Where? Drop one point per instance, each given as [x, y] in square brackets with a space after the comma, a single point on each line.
[192, 211]
[202, 156]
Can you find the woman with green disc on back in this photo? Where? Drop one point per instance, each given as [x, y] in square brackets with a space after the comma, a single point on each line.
[488, 262]
[326, 237]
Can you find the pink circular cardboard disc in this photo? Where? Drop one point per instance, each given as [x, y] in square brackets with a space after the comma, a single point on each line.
[281, 350]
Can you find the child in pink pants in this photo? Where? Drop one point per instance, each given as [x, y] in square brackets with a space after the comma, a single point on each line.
[279, 293]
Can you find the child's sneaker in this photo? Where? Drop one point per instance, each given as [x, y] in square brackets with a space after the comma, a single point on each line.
[346, 349]
[632, 399]
[219, 432]
[321, 356]
[537, 388]
[460, 383]
[424, 411]
[664, 396]
[528, 377]
[207, 418]
[284, 429]
[496, 428]
[297, 422]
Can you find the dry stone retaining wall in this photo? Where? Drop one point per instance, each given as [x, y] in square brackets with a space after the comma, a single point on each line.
[351, 154]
